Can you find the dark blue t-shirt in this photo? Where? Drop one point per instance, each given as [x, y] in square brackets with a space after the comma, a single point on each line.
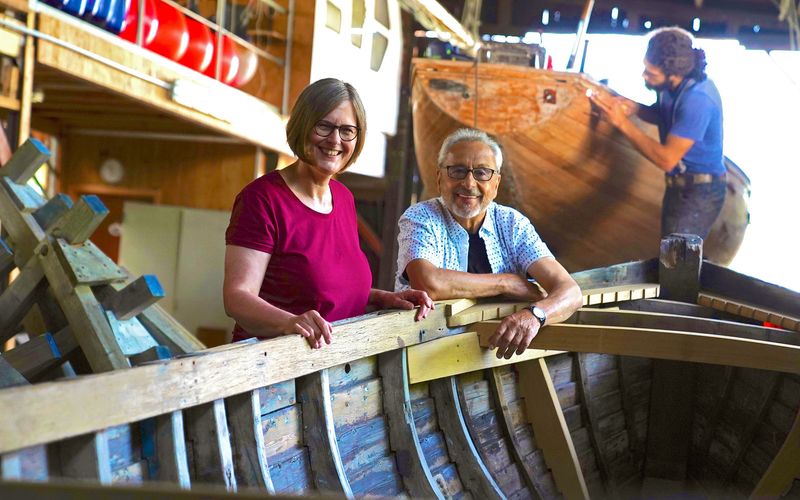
[698, 116]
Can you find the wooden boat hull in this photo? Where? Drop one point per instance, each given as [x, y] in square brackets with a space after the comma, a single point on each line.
[594, 199]
[396, 407]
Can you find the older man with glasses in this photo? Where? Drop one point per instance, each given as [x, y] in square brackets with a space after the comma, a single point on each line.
[464, 245]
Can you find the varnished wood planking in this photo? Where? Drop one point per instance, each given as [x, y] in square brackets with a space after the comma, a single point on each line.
[202, 176]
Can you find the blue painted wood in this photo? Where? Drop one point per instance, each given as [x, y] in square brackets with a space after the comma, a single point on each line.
[124, 446]
[55, 207]
[378, 478]
[277, 396]
[351, 373]
[291, 471]
[361, 444]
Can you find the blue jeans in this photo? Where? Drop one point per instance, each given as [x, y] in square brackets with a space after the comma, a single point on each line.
[692, 209]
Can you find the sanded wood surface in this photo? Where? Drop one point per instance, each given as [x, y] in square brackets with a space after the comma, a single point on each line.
[661, 344]
[563, 167]
[545, 415]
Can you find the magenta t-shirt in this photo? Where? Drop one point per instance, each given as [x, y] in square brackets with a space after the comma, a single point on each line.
[316, 261]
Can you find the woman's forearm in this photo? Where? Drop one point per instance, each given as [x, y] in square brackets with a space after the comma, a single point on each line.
[257, 316]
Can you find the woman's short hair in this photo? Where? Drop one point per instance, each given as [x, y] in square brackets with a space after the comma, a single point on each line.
[314, 102]
[671, 50]
[470, 135]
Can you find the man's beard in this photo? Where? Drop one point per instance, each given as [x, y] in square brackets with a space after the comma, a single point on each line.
[464, 213]
[658, 88]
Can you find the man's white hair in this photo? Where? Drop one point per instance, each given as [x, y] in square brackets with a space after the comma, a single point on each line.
[470, 135]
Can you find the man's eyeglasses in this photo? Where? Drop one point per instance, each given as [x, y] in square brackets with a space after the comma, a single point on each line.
[346, 132]
[480, 174]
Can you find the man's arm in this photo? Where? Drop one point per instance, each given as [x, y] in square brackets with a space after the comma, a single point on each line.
[665, 156]
[442, 284]
[564, 297]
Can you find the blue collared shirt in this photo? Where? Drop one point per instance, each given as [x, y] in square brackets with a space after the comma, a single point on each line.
[428, 231]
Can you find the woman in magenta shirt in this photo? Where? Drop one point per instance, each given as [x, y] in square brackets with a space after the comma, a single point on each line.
[293, 262]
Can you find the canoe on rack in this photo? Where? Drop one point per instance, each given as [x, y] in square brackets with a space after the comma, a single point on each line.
[594, 199]
[395, 407]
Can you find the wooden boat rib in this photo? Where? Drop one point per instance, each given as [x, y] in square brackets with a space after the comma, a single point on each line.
[592, 196]
[395, 407]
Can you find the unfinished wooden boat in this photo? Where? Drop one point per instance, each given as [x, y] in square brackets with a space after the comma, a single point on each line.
[666, 381]
[595, 200]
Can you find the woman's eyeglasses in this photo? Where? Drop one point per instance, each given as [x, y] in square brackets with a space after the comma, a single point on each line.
[346, 132]
[459, 172]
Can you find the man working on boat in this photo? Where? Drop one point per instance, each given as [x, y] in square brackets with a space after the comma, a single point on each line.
[463, 245]
[688, 113]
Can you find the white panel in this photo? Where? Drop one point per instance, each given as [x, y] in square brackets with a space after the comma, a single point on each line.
[200, 270]
[149, 244]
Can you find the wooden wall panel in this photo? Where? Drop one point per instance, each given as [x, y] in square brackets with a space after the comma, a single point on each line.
[189, 174]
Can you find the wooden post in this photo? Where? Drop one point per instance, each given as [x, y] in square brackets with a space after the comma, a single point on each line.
[670, 421]
[207, 429]
[26, 161]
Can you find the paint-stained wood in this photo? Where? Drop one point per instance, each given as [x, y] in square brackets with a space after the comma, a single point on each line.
[471, 468]
[82, 457]
[26, 161]
[167, 331]
[411, 463]
[544, 412]
[320, 435]
[565, 156]
[629, 273]
[135, 297]
[209, 445]
[247, 441]
[41, 353]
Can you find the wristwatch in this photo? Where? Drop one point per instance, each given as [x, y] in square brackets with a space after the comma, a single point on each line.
[538, 313]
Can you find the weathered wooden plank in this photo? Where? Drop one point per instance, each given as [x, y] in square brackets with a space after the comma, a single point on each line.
[474, 475]
[165, 434]
[80, 221]
[167, 331]
[358, 403]
[405, 443]
[194, 380]
[81, 457]
[629, 273]
[24, 233]
[85, 315]
[17, 299]
[508, 423]
[670, 419]
[85, 264]
[661, 344]
[135, 297]
[277, 396]
[732, 308]
[552, 435]
[597, 439]
[247, 441]
[785, 467]
[283, 430]
[627, 378]
[291, 472]
[6, 258]
[52, 210]
[208, 439]
[659, 321]
[26, 161]
[320, 435]
[670, 307]
[41, 353]
[24, 197]
[742, 288]
[130, 335]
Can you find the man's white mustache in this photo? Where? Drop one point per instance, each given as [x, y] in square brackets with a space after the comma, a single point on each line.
[468, 193]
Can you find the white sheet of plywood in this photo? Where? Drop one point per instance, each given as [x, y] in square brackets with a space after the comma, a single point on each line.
[198, 286]
[149, 244]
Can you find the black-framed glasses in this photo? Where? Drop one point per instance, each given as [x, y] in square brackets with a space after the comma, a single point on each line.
[346, 132]
[460, 172]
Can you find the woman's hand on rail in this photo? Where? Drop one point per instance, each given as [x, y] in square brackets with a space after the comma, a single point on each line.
[311, 326]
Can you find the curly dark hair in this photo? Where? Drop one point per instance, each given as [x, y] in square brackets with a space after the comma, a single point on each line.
[671, 50]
